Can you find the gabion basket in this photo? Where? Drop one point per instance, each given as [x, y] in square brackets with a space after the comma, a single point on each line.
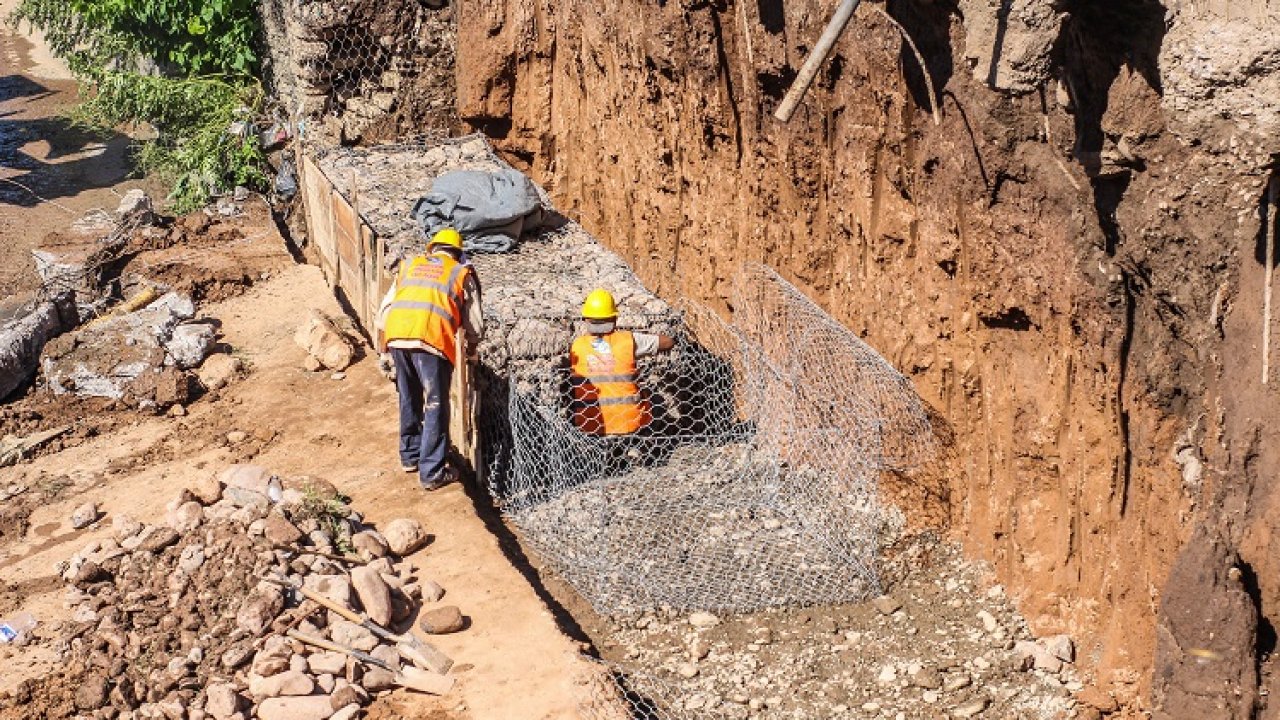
[752, 482]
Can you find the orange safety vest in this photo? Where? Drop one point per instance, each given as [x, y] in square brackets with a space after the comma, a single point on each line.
[607, 400]
[428, 303]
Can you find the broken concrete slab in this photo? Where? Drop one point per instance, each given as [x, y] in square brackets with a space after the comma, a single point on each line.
[108, 358]
[23, 339]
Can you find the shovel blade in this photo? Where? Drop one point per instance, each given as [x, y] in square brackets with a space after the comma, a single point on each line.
[424, 681]
[424, 655]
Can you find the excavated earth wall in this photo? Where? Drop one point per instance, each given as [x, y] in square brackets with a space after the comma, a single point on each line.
[1068, 265]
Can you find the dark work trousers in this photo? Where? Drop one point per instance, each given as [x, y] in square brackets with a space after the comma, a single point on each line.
[422, 379]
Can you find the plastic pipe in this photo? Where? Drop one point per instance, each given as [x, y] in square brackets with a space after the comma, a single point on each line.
[839, 20]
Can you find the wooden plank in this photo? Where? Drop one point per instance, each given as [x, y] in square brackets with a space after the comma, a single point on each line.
[317, 199]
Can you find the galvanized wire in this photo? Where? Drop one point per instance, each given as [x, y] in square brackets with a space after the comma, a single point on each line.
[753, 484]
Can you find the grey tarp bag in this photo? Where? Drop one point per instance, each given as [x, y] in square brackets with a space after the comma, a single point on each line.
[490, 209]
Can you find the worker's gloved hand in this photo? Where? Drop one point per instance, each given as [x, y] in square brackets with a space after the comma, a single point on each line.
[387, 366]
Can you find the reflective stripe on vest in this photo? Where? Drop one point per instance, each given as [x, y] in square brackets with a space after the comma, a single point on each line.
[607, 400]
[427, 305]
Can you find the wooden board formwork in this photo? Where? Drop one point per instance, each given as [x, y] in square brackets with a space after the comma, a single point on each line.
[353, 259]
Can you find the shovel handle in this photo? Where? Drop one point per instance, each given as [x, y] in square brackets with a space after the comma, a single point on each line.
[335, 647]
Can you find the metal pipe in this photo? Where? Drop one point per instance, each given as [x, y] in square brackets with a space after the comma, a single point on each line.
[839, 20]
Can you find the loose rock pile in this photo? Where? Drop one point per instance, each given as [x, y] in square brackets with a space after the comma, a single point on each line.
[189, 619]
[945, 644]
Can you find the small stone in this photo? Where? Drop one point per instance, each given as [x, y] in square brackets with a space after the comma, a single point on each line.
[374, 594]
[218, 371]
[687, 671]
[369, 545]
[274, 656]
[441, 620]
[208, 490]
[279, 531]
[235, 437]
[177, 411]
[988, 621]
[340, 375]
[237, 655]
[222, 701]
[311, 707]
[84, 516]
[973, 708]
[431, 591]
[346, 695]
[191, 559]
[404, 536]
[158, 539]
[930, 696]
[927, 679]
[286, 683]
[187, 517]
[259, 609]
[376, 680]
[352, 635]
[334, 587]
[124, 526]
[311, 363]
[956, 681]
[703, 620]
[92, 693]
[888, 674]
[332, 663]
[346, 713]
[1061, 647]
[886, 605]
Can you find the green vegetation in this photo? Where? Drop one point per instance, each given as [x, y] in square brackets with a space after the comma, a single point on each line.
[185, 67]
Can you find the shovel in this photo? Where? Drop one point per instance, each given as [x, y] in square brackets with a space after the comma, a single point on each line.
[411, 648]
[410, 677]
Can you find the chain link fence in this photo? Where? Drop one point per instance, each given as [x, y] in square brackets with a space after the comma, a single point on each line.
[750, 479]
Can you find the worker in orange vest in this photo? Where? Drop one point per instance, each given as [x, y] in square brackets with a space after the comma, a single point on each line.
[606, 397]
[435, 296]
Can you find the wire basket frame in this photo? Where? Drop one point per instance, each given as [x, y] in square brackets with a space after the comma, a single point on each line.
[749, 482]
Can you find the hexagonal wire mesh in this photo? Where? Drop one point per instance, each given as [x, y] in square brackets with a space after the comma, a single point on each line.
[369, 70]
[612, 693]
[751, 479]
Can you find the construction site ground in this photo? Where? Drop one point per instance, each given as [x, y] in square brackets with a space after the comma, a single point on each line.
[298, 424]
[948, 649]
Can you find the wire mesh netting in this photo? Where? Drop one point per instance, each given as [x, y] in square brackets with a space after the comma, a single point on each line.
[362, 71]
[723, 474]
[614, 693]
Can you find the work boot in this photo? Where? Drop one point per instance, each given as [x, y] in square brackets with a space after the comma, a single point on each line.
[449, 475]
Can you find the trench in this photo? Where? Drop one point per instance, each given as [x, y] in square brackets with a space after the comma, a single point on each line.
[1038, 263]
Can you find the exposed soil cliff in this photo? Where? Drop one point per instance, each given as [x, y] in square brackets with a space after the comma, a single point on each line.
[1069, 265]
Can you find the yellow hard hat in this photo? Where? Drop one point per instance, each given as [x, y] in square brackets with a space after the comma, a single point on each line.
[599, 306]
[447, 237]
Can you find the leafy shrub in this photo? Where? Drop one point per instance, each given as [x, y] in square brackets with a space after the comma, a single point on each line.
[186, 67]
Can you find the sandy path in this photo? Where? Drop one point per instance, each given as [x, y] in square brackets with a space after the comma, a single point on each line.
[73, 170]
[513, 661]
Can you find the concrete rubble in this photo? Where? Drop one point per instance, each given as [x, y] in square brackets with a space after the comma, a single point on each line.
[123, 355]
[208, 599]
[24, 338]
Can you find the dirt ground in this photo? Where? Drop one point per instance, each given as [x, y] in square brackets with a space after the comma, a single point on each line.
[43, 156]
[512, 662]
